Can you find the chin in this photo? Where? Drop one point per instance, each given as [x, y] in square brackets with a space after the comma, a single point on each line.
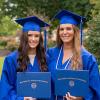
[66, 41]
[33, 47]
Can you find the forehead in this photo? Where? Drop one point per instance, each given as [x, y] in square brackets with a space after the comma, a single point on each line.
[66, 25]
[33, 32]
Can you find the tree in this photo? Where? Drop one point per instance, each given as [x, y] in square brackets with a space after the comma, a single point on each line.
[44, 8]
[92, 40]
[1, 12]
[96, 6]
[7, 26]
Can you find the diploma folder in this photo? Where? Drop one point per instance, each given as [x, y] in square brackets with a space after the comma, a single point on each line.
[34, 84]
[75, 82]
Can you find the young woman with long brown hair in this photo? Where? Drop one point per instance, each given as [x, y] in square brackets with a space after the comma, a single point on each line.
[30, 57]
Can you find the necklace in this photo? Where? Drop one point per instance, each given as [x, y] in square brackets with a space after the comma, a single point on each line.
[59, 57]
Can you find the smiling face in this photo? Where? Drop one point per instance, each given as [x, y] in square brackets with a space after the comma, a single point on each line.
[33, 39]
[66, 33]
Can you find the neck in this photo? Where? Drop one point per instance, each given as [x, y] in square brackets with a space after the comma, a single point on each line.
[67, 51]
[32, 51]
[67, 46]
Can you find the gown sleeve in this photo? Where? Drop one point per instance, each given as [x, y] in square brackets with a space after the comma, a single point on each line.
[8, 81]
[51, 54]
[94, 79]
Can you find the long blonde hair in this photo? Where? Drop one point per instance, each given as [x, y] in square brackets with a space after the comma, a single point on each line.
[76, 61]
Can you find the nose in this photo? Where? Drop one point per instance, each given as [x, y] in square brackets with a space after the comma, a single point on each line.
[65, 31]
[33, 38]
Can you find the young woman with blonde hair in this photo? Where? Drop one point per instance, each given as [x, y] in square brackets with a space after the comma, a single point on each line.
[70, 55]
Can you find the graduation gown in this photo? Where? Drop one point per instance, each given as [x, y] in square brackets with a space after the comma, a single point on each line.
[89, 63]
[8, 77]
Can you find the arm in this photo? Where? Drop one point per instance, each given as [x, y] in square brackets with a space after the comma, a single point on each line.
[8, 81]
[94, 80]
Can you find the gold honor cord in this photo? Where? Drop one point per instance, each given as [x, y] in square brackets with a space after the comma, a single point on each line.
[26, 81]
[72, 79]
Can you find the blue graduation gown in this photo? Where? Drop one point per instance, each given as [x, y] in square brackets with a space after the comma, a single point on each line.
[8, 77]
[89, 63]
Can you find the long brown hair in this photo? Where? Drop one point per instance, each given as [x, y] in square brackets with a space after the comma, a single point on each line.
[23, 59]
[76, 61]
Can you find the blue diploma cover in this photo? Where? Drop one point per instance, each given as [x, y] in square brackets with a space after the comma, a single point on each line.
[34, 84]
[75, 82]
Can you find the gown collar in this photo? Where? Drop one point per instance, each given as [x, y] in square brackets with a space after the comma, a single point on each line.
[59, 64]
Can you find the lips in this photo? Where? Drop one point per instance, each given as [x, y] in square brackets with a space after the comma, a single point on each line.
[65, 36]
[33, 42]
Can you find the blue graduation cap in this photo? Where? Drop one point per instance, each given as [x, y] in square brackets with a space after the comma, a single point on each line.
[32, 23]
[71, 18]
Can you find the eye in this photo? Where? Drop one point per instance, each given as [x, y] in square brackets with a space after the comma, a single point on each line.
[37, 35]
[29, 35]
[68, 28]
[61, 29]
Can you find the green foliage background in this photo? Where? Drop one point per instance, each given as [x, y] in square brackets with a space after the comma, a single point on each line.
[92, 41]
[1, 64]
[46, 9]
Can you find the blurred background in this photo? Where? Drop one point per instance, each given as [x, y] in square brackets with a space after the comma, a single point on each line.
[46, 9]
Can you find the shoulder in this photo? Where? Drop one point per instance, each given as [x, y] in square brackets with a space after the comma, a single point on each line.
[10, 64]
[87, 54]
[88, 59]
[52, 51]
[52, 54]
[14, 53]
[12, 56]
